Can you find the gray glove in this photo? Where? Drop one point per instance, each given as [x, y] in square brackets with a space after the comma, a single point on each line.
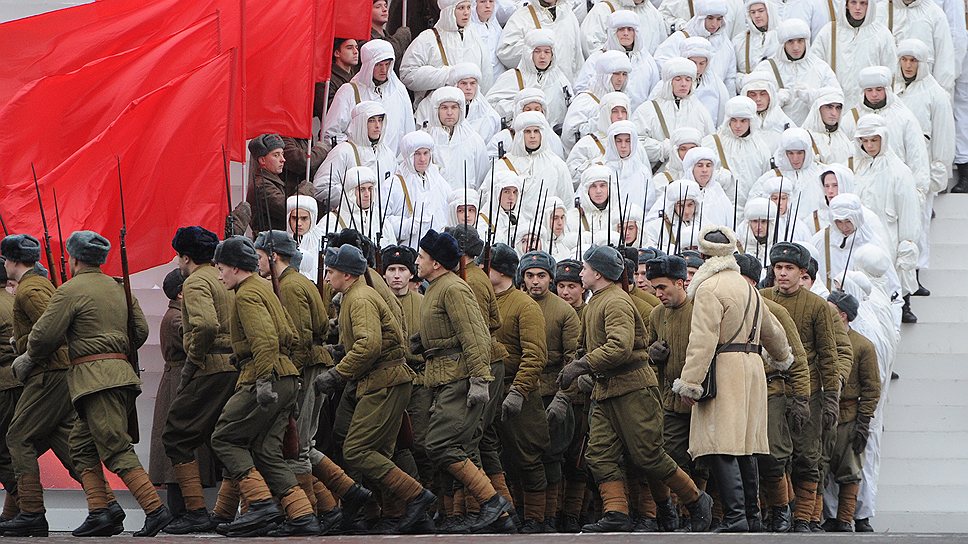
[416, 345]
[327, 382]
[557, 409]
[337, 351]
[22, 366]
[187, 373]
[478, 392]
[578, 367]
[831, 409]
[264, 395]
[512, 404]
[586, 384]
[860, 433]
[798, 413]
[659, 352]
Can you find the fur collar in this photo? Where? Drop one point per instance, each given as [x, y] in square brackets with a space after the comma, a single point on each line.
[712, 266]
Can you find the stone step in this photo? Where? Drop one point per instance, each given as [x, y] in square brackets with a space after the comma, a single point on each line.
[948, 230]
[945, 282]
[931, 338]
[935, 367]
[944, 417]
[918, 522]
[926, 445]
[941, 308]
[949, 256]
[951, 206]
[916, 472]
[947, 393]
[922, 498]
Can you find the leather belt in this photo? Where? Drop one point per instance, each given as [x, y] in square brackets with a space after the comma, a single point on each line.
[738, 348]
[220, 351]
[389, 364]
[98, 357]
[613, 372]
[440, 352]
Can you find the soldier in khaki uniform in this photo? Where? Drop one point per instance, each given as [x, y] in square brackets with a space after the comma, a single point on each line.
[248, 435]
[788, 409]
[568, 285]
[817, 333]
[44, 415]
[645, 255]
[613, 342]
[456, 346]
[375, 363]
[562, 327]
[207, 379]
[523, 427]
[10, 389]
[668, 327]
[301, 299]
[101, 382]
[859, 399]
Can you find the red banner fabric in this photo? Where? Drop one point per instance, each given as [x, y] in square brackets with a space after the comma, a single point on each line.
[324, 33]
[353, 19]
[169, 144]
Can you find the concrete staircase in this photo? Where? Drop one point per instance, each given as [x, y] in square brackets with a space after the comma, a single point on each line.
[924, 465]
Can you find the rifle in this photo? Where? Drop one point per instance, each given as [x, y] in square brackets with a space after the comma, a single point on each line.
[645, 212]
[229, 220]
[272, 270]
[60, 236]
[779, 199]
[520, 205]
[133, 429]
[608, 221]
[735, 203]
[682, 206]
[581, 220]
[536, 219]
[796, 212]
[4, 225]
[43, 219]
[537, 242]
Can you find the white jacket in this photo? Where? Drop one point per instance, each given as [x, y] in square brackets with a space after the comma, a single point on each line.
[367, 220]
[723, 62]
[424, 195]
[392, 94]
[745, 157]
[490, 36]
[478, 114]
[804, 183]
[552, 81]
[495, 221]
[678, 14]
[924, 20]
[594, 222]
[772, 121]
[674, 233]
[582, 116]
[460, 151]
[831, 241]
[633, 174]
[652, 27]
[717, 207]
[591, 147]
[815, 13]
[644, 72]
[568, 53]
[831, 146]
[753, 45]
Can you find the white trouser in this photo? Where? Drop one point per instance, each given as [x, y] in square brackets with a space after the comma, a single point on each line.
[961, 114]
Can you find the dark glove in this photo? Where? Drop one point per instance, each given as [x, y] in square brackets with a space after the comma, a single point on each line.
[558, 408]
[327, 382]
[478, 392]
[831, 409]
[659, 352]
[586, 384]
[798, 413]
[264, 394]
[187, 373]
[512, 404]
[22, 366]
[860, 434]
[578, 367]
[416, 345]
[337, 351]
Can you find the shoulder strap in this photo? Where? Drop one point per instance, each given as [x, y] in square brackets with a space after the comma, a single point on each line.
[816, 150]
[509, 164]
[890, 15]
[610, 6]
[517, 74]
[684, 33]
[406, 193]
[776, 73]
[668, 227]
[850, 163]
[598, 143]
[833, 34]
[486, 220]
[440, 47]
[356, 93]
[746, 312]
[356, 153]
[855, 113]
[534, 17]
[662, 121]
[692, 9]
[719, 147]
[816, 221]
[777, 172]
[668, 176]
[595, 98]
[826, 252]
[748, 67]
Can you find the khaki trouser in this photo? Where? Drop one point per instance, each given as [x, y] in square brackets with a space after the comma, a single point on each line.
[309, 406]
[193, 414]
[524, 439]
[42, 420]
[845, 465]
[100, 433]
[675, 433]
[452, 424]
[8, 403]
[775, 464]
[372, 434]
[807, 445]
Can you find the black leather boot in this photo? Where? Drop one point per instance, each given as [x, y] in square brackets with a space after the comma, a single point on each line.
[840, 527]
[863, 526]
[666, 516]
[780, 519]
[726, 473]
[801, 526]
[155, 522]
[26, 524]
[259, 515]
[645, 524]
[491, 509]
[353, 502]
[922, 290]
[503, 525]
[701, 513]
[962, 179]
[102, 522]
[194, 521]
[328, 521]
[750, 471]
[570, 524]
[907, 316]
[611, 522]
[416, 509]
[306, 525]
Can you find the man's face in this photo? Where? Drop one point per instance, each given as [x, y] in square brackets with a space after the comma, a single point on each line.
[713, 23]
[381, 13]
[626, 37]
[425, 264]
[537, 281]
[448, 113]
[300, 221]
[421, 159]
[462, 13]
[571, 292]
[619, 79]
[623, 144]
[364, 195]
[783, 199]
[469, 86]
[759, 16]
[533, 106]
[681, 86]
[541, 56]
[684, 148]
[466, 214]
[485, 8]
[701, 64]
[796, 157]
[875, 95]
[787, 277]
[339, 280]
[686, 209]
[760, 98]
[263, 263]
[641, 280]
[671, 293]
[795, 48]
[228, 275]
[830, 113]
[509, 198]
[739, 127]
[631, 230]
[273, 162]
[598, 192]
[589, 278]
[702, 172]
[348, 53]
[759, 227]
[845, 226]
[909, 66]
[831, 187]
[857, 9]
[532, 137]
[381, 70]
[8, 267]
[529, 242]
[397, 276]
[871, 144]
[374, 127]
[619, 113]
[558, 222]
[690, 272]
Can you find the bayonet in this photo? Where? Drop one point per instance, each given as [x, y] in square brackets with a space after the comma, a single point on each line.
[43, 220]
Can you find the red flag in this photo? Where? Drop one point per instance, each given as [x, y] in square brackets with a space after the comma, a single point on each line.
[279, 72]
[57, 115]
[64, 40]
[169, 144]
[354, 19]
[324, 33]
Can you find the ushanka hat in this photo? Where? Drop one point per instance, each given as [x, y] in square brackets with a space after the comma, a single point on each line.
[504, 259]
[568, 270]
[88, 247]
[260, 146]
[442, 248]
[237, 251]
[789, 252]
[606, 260]
[668, 266]
[347, 258]
[195, 242]
[401, 255]
[22, 248]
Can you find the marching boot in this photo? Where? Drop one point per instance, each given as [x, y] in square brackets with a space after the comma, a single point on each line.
[571, 507]
[907, 316]
[922, 290]
[261, 511]
[645, 522]
[31, 521]
[666, 515]
[846, 505]
[863, 525]
[104, 518]
[300, 517]
[729, 481]
[195, 519]
[815, 525]
[699, 503]
[174, 500]
[353, 495]
[418, 500]
[534, 512]
[551, 507]
[10, 508]
[750, 471]
[806, 498]
[779, 503]
[158, 516]
[479, 485]
[226, 503]
[962, 184]
[615, 509]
